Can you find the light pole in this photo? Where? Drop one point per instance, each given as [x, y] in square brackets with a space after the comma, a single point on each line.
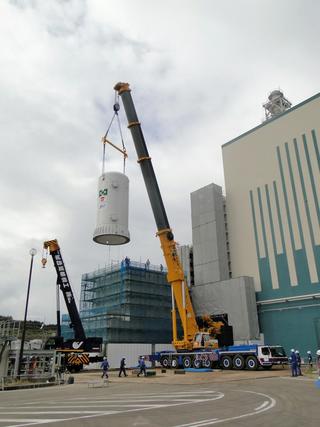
[32, 252]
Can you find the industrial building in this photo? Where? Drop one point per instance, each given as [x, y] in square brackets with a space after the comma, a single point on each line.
[272, 205]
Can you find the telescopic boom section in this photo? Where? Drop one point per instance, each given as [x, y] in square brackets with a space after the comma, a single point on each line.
[180, 293]
[62, 279]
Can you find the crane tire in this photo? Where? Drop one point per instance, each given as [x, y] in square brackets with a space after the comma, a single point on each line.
[187, 362]
[252, 363]
[238, 362]
[174, 363]
[226, 362]
[164, 361]
[206, 363]
[196, 363]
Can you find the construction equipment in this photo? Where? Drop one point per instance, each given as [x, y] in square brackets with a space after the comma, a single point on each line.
[246, 356]
[81, 350]
[193, 336]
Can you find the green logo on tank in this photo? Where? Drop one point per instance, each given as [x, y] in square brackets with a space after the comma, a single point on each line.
[103, 192]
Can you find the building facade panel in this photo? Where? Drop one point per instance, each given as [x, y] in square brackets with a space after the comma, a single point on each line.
[272, 203]
[234, 297]
[210, 257]
[272, 190]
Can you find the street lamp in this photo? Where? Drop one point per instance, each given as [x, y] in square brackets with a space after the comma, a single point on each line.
[32, 252]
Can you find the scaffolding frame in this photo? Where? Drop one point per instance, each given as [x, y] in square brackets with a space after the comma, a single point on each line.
[127, 302]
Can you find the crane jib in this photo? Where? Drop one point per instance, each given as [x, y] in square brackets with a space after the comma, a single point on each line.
[145, 163]
[68, 295]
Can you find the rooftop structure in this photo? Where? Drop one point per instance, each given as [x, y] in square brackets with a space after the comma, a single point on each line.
[276, 105]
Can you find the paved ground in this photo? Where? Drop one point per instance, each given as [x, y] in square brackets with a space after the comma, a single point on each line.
[262, 398]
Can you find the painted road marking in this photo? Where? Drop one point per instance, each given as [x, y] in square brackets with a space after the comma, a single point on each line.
[57, 412]
[168, 400]
[208, 397]
[77, 406]
[24, 420]
[133, 401]
[265, 403]
[297, 378]
[271, 402]
[198, 423]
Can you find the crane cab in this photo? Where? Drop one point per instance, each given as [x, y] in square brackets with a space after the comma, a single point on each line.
[204, 340]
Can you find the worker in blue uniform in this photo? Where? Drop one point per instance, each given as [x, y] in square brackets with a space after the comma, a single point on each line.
[293, 361]
[105, 367]
[142, 366]
[298, 363]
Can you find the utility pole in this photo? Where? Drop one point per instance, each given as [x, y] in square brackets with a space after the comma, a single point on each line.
[32, 252]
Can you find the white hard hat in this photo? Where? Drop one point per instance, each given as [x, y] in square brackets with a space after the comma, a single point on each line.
[309, 352]
[297, 351]
[318, 353]
[292, 350]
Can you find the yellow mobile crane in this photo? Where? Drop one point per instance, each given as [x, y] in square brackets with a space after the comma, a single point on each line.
[193, 337]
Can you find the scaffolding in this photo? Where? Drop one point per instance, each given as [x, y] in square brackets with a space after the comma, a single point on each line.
[9, 329]
[129, 302]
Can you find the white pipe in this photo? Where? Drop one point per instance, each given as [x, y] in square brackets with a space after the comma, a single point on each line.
[299, 307]
[183, 295]
[286, 299]
[172, 299]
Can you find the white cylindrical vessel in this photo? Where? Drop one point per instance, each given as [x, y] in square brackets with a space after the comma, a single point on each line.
[113, 210]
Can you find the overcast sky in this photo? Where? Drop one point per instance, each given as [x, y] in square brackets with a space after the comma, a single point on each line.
[199, 70]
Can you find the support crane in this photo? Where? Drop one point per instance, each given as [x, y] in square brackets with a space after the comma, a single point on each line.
[80, 350]
[193, 337]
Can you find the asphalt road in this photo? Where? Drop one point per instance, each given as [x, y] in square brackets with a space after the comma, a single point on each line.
[275, 401]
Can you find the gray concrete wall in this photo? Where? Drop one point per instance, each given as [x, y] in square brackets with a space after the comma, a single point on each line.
[236, 297]
[4, 348]
[208, 235]
[131, 352]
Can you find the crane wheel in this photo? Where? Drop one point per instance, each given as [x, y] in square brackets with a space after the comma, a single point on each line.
[252, 363]
[238, 362]
[174, 362]
[226, 362]
[164, 361]
[187, 362]
[196, 363]
[206, 363]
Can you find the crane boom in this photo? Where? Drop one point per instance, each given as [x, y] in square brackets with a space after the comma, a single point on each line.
[179, 290]
[64, 283]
